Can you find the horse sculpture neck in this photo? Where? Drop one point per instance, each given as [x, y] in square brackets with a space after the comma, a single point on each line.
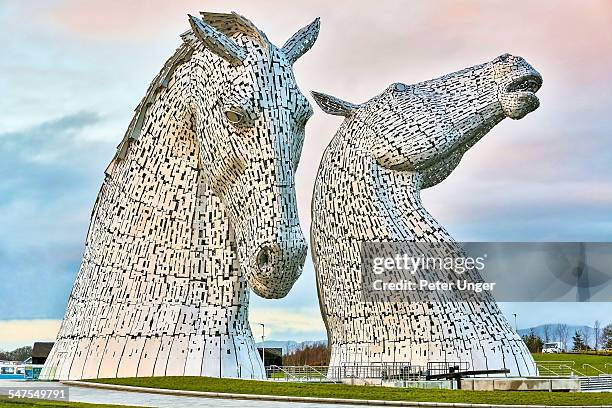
[386, 203]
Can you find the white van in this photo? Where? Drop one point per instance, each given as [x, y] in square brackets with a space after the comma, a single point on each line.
[552, 348]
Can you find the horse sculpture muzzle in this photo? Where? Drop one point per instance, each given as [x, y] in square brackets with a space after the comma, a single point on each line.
[517, 88]
[276, 265]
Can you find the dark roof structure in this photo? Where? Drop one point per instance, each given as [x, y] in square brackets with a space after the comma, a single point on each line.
[41, 349]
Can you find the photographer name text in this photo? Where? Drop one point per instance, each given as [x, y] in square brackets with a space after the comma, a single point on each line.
[425, 285]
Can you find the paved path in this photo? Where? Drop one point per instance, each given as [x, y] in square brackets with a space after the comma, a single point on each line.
[93, 395]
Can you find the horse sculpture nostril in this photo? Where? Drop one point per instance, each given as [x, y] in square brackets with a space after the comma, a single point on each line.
[270, 258]
[273, 266]
[263, 259]
[267, 258]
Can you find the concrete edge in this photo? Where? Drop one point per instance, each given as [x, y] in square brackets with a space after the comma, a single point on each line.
[285, 398]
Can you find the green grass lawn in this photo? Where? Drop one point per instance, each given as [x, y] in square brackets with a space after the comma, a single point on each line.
[22, 402]
[362, 392]
[598, 361]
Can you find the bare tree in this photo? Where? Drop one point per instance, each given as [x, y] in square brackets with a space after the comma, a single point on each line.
[547, 333]
[597, 327]
[314, 355]
[562, 333]
[587, 336]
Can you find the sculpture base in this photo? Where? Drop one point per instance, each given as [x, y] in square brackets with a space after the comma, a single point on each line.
[177, 355]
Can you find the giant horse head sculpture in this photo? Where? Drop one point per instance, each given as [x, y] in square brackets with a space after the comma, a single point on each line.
[197, 206]
[386, 151]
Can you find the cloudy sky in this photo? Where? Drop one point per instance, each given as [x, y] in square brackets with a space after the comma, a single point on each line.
[73, 71]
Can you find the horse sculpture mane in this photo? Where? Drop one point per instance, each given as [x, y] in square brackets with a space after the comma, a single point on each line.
[197, 206]
[228, 24]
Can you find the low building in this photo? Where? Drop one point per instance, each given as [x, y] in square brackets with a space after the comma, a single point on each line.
[274, 356]
[40, 352]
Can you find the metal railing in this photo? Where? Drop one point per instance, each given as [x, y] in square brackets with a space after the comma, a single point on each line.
[380, 371]
[303, 373]
[597, 383]
[593, 369]
[444, 367]
[559, 368]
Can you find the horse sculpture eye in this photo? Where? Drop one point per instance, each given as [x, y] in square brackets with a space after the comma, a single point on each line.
[234, 117]
[400, 87]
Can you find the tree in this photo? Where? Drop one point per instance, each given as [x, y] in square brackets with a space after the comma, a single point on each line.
[597, 327]
[586, 336]
[312, 355]
[606, 336]
[562, 333]
[579, 344]
[547, 332]
[533, 342]
[20, 354]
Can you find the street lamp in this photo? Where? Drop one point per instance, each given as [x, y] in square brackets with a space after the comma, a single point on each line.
[263, 345]
[515, 326]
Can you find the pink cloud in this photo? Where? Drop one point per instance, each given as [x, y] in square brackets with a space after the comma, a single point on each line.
[415, 39]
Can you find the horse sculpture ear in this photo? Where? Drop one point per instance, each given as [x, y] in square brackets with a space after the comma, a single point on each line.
[302, 41]
[333, 105]
[217, 42]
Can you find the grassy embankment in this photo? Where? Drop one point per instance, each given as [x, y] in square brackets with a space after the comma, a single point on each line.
[597, 361]
[323, 390]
